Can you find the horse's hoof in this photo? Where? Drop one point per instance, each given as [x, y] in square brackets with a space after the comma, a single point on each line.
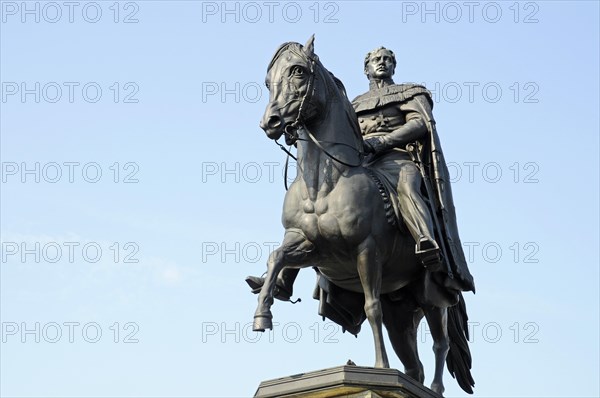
[415, 374]
[437, 387]
[261, 323]
[383, 365]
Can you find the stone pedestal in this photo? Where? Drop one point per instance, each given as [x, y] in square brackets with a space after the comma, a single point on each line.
[345, 381]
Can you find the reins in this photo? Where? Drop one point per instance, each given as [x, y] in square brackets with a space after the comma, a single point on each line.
[291, 132]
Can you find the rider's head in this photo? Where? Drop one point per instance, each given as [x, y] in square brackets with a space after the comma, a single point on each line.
[380, 64]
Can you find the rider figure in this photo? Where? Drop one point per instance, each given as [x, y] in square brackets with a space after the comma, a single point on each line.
[390, 118]
[401, 140]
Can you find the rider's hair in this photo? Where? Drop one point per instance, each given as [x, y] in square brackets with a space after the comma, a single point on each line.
[370, 53]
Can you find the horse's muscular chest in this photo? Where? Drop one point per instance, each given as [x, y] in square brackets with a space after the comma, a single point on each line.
[319, 217]
[316, 220]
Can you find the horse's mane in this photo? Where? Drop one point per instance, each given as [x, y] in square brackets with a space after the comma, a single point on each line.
[337, 85]
[347, 108]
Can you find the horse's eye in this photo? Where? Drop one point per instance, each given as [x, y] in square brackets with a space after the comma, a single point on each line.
[268, 85]
[297, 71]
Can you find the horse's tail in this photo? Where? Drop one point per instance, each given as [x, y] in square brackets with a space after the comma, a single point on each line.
[459, 355]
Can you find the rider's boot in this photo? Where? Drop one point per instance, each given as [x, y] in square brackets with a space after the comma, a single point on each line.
[419, 220]
[284, 286]
[428, 252]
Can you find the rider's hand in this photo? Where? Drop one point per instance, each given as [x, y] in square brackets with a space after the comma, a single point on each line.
[374, 145]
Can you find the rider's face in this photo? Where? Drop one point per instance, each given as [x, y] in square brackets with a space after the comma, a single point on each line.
[380, 65]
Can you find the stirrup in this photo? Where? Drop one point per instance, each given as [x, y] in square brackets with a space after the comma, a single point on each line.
[428, 253]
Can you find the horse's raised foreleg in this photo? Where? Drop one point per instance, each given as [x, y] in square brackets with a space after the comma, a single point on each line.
[437, 319]
[263, 316]
[369, 270]
[294, 250]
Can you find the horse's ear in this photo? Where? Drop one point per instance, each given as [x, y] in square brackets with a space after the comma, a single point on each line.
[309, 47]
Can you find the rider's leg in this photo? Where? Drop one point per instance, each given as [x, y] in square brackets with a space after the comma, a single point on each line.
[416, 214]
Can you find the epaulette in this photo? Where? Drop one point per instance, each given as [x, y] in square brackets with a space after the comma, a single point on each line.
[394, 93]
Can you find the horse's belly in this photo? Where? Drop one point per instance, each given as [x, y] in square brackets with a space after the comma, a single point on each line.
[397, 280]
[340, 269]
[346, 279]
[398, 271]
[391, 282]
[402, 269]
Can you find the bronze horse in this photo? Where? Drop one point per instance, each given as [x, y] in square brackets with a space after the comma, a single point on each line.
[335, 220]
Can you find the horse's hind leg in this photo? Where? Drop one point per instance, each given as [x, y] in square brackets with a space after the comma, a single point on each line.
[401, 321]
[294, 250]
[437, 318]
[369, 270]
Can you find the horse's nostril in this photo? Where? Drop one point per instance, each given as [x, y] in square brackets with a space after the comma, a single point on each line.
[274, 122]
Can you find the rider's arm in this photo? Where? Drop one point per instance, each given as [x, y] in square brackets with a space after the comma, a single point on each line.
[414, 129]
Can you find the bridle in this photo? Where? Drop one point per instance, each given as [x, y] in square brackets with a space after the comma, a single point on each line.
[291, 130]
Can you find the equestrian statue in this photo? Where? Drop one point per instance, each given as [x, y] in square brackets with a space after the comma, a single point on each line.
[371, 210]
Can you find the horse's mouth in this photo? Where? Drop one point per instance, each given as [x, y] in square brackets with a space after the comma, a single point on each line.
[291, 133]
[274, 134]
[276, 128]
[288, 130]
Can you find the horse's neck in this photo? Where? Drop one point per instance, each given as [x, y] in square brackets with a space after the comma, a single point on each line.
[318, 171]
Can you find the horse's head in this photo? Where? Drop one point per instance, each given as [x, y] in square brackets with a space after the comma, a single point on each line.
[297, 89]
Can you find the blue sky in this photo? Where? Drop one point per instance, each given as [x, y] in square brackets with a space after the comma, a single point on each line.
[138, 191]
